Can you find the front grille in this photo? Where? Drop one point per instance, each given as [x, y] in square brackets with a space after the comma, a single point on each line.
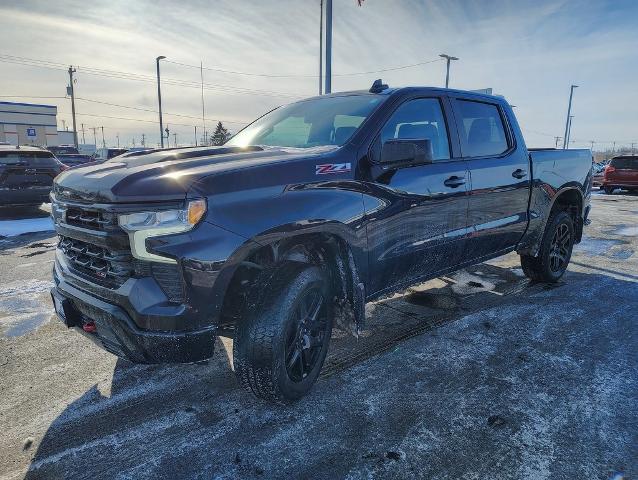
[111, 267]
[91, 219]
[102, 266]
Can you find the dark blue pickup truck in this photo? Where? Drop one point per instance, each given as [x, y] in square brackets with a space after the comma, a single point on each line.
[304, 216]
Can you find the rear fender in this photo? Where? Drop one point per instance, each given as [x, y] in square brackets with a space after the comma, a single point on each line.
[543, 200]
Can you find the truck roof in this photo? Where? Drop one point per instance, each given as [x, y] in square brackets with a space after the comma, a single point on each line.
[398, 90]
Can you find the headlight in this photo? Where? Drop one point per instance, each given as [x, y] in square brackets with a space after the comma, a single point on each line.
[142, 225]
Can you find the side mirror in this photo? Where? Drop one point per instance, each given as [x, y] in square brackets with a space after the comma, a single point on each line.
[398, 153]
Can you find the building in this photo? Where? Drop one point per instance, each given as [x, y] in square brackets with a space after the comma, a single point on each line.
[28, 124]
[65, 137]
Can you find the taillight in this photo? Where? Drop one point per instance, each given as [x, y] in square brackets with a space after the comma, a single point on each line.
[609, 169]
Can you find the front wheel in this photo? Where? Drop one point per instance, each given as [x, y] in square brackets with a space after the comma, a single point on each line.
[555, 250]
[280, 346]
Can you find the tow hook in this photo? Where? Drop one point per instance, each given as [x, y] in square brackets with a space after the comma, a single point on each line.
[89, 327]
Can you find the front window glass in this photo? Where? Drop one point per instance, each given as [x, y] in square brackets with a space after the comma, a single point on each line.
[309, 123]
[420, 119]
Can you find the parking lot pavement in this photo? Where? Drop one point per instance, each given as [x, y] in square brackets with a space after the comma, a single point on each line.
[475, 375]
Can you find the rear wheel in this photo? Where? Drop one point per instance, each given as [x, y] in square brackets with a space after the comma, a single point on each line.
[609, 190]
[555, 251]
[281, 345]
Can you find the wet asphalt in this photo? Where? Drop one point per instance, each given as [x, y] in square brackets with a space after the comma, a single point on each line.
[475, 375]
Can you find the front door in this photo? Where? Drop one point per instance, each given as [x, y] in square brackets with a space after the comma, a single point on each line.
[417, 215]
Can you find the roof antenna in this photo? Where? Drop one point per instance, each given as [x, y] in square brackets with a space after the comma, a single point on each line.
[378, 86]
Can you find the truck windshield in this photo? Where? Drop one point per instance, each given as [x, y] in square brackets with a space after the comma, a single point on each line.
[309, 123]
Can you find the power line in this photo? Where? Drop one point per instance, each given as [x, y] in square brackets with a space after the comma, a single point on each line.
[28, 96]
[267, 75]
[129, 119]
[165, 113]
[121, 75]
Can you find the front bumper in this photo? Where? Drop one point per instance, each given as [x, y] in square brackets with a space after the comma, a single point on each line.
[117, 333]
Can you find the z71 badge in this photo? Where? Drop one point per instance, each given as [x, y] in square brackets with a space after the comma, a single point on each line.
[327, 168]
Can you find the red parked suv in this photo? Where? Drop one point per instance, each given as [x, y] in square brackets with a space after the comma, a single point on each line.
[622, 172]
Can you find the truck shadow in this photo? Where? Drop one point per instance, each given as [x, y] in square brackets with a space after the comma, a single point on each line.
[170, 421]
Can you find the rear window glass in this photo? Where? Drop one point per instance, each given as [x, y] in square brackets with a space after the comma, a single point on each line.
[26, 158]
[482, 129]
[627, 163]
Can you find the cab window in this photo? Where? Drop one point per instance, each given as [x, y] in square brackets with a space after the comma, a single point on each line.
[420, 119]
[481, 129]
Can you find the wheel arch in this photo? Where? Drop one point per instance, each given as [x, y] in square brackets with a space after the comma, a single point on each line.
[332, 247]
[546, 200]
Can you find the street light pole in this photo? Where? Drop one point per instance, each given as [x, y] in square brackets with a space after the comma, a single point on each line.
[320, 46]
[159, 99]
[569, 112]
[447, 69]
[328, 88]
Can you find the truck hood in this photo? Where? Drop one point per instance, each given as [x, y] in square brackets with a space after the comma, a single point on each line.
[164, 175]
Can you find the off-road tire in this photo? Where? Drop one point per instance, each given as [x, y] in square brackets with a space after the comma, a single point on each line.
[540, 268]
[609, 190]
[261, 339]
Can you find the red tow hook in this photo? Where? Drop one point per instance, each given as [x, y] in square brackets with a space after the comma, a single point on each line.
[89, 327]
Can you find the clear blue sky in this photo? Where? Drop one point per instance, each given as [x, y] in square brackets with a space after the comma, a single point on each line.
[529, 51]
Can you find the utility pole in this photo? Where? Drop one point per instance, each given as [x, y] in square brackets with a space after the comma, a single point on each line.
[72, 93]
[614, 148]
[557, 140]
[320, 45]
[117, 135]
[632, 147]
[328, 88]
[143, 139]
[103, 142]
[159, 99]
[447, 69]
[569, 112]
[174, 139]
[83, 141]
[94, 135]
[168, 138]
[195, 135]
[64, 124]
[592, 145]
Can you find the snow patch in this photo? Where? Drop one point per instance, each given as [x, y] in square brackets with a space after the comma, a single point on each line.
[12, 228]
[22, 308]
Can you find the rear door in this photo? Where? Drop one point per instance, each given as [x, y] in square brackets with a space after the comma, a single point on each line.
[27, 169]
[500, 176]
[417, 216]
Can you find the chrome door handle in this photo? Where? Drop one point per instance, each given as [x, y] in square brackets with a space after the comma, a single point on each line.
[454, 181]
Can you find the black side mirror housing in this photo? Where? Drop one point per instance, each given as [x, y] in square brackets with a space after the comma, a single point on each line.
[399, 152]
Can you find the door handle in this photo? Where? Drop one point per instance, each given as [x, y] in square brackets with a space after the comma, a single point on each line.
[454, 181]
[519, 173]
